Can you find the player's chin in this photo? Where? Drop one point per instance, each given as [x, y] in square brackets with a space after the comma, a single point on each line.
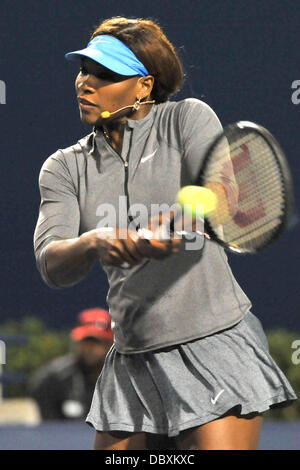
[89, 118]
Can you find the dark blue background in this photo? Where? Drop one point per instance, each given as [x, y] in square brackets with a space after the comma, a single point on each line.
[240, 56]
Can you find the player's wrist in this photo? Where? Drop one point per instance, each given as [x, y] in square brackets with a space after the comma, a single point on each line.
[91, 243]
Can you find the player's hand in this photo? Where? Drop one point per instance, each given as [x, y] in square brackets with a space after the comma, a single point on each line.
[125, 248]
[149, 246]
[116, 247]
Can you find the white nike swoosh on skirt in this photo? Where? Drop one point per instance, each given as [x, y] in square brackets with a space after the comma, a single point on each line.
[144, 159]
[214, 400]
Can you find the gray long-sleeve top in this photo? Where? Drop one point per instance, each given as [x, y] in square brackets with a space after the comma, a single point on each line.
[158, 303]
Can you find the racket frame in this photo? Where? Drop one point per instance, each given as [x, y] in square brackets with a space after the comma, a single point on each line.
[284, 171]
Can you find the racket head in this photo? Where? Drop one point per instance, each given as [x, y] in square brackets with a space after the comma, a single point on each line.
[249, 163]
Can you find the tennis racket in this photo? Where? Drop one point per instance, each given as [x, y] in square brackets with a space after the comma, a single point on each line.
[247, 169]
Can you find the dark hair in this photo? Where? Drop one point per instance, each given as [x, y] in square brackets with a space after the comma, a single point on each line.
[148, 42]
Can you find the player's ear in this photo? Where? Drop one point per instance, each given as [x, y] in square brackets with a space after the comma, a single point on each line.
[145, 86]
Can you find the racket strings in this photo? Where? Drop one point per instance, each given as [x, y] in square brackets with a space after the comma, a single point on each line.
[246, 166]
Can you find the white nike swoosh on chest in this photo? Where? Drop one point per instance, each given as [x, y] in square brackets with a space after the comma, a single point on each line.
[144, 159]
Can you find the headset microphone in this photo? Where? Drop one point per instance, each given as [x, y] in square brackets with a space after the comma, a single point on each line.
[135, 106]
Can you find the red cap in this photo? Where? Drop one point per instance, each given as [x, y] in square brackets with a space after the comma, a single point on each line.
[95, 323]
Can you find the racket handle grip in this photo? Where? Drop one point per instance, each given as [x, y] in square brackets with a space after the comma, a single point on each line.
[159, 234]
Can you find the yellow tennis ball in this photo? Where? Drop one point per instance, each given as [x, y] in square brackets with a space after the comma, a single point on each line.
[191, 197]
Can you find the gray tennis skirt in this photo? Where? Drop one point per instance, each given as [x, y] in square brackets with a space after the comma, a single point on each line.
[187, 385]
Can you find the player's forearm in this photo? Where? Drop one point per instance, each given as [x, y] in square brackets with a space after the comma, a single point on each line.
[69, 261]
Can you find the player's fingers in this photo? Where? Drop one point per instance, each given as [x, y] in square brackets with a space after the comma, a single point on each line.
[120, 249]
[176, 242]
[166, 247]
[130, 247]
[154, 248]
[112, 258]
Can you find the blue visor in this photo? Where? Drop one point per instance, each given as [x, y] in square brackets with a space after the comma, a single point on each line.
[112, 54]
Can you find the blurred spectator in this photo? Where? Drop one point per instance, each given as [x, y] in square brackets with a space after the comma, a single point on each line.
[64, 388]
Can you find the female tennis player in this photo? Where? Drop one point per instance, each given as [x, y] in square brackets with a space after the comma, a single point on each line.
[190, 361]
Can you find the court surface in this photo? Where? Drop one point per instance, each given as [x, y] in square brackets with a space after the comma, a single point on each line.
[65, 436]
